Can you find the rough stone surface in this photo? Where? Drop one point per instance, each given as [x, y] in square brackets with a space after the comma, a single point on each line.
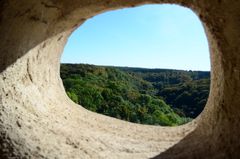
[37, 120]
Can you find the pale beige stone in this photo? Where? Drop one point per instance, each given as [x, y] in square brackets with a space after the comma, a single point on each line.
[38, 120]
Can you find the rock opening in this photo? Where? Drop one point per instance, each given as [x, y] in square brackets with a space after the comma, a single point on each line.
[37, 120]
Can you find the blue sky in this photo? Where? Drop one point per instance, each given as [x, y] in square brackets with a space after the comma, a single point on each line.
[151, 36]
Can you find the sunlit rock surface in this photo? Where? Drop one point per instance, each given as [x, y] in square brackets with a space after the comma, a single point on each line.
[37, 120]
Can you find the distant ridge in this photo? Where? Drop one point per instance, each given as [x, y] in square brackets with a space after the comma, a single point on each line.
[135, 68]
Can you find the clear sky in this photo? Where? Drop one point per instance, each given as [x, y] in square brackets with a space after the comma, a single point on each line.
[151, 36]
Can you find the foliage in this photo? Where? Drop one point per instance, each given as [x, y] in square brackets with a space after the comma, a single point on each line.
[137, 95]
[185, 91]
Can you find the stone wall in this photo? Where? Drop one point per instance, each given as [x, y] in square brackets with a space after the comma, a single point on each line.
[38, 120]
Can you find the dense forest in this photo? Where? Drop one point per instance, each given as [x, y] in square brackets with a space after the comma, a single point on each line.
[148, 96]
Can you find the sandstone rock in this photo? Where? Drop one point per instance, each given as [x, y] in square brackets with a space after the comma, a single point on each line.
[33, 34]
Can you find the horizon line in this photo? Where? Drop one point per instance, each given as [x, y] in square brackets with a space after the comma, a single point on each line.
[152, 68]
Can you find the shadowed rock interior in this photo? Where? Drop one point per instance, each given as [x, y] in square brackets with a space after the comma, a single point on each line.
[38, 120]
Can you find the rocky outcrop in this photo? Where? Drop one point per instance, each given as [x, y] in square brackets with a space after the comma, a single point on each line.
[37, 120]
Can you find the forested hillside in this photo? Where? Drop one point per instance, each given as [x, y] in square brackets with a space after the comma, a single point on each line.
[148, 96]
[185, 91]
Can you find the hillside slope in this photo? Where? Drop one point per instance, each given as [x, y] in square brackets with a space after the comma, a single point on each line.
[185, 91]
[130, 94]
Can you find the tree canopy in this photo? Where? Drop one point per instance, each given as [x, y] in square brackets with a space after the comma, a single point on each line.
[147, 96]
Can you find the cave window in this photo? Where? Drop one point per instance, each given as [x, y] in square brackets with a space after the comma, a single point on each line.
[148, 64]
